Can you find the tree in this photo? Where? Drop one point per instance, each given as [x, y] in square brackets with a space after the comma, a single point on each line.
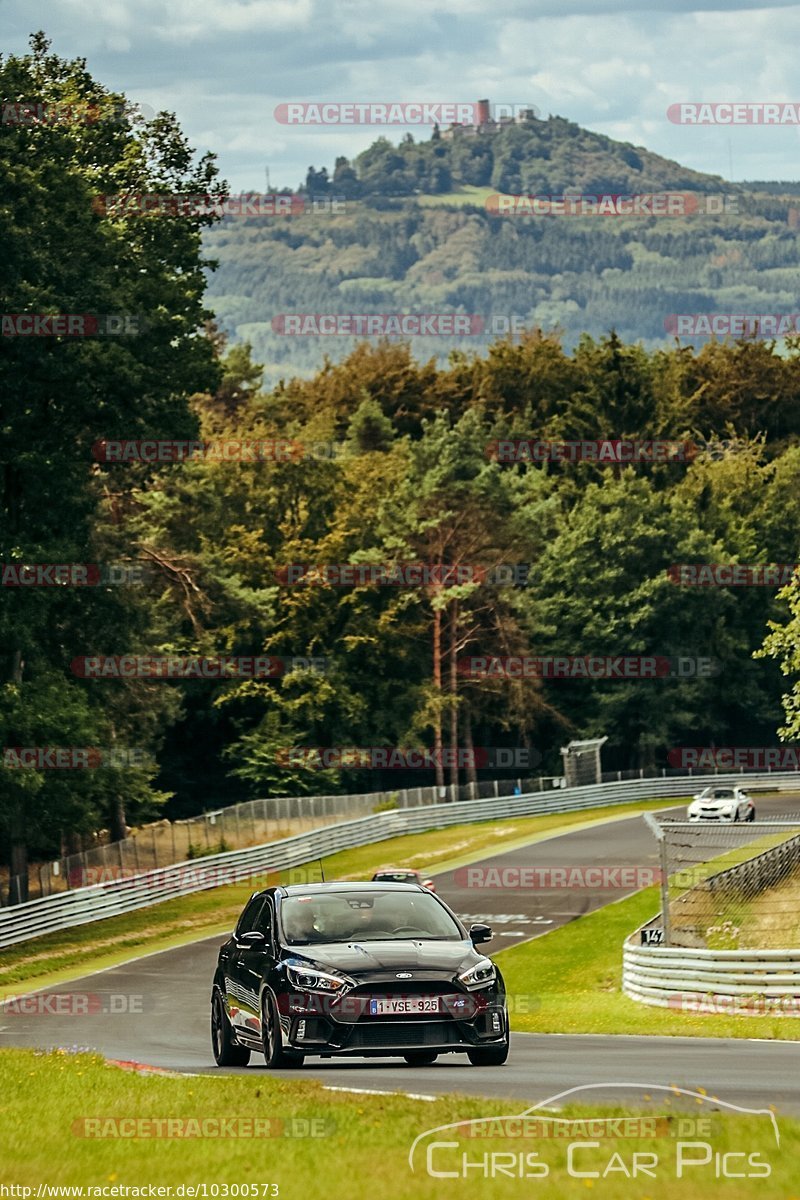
[64, 253]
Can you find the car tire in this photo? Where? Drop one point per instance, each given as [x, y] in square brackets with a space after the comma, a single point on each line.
[272, 1038]
[751, 816]
[421, 1058]
[488, 1056]
[227, 1051]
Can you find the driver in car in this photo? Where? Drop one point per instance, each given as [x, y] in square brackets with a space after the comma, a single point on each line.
[300, 924]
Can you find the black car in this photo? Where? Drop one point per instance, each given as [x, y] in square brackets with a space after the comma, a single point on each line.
[359, 969]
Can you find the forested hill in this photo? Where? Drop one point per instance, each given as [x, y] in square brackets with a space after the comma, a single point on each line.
[410, 231]
[527, 156]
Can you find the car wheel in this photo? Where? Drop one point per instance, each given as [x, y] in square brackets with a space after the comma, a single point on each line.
[420, 1058]
[272, 1038]
[227, 1051]
[751, 816]
[488, 1056]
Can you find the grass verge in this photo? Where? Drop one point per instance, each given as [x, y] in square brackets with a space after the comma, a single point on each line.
[58, 957]
[570, 981]
[467, 194]
[58, 1112]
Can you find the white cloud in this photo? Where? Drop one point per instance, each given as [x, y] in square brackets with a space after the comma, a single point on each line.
[611, 65]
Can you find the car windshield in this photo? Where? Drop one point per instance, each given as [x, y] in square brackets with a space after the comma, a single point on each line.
[366, 917]
[395, 876]
[718, 794]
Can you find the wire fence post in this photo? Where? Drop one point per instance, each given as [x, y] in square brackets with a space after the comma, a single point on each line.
[662, 856]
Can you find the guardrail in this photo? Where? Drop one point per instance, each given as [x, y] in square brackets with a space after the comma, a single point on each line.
[115, 897]
[713, 980]
[164, 843]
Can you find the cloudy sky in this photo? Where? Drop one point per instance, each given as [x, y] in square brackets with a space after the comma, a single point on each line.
[611, 65]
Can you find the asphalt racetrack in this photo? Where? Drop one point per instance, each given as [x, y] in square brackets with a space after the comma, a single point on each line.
[169, 995]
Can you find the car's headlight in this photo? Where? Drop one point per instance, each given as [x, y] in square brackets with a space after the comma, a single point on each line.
[480, 975]
[310, 979]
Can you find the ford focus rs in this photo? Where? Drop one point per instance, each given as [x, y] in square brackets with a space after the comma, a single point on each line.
[358, 969]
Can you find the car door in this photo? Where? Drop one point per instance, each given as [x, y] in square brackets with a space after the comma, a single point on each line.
[236, 995]
[254, 958]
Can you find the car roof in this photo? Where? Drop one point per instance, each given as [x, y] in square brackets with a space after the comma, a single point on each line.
[317, 889]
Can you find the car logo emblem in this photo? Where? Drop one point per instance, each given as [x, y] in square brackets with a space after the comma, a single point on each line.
[404, 975]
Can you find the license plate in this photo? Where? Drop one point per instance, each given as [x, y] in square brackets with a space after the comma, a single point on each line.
[396, 1006]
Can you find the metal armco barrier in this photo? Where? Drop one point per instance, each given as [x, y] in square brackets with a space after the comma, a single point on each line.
[712, 980]
[66, 910]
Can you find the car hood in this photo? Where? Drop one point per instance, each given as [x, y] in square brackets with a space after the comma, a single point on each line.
[699, 803]
[357, 957]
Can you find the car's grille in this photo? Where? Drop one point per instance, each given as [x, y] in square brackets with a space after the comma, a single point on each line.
[405, 987]
[354, 1008]
[368, 1036]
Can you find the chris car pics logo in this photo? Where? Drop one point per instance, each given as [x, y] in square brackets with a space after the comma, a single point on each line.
[679, 1144]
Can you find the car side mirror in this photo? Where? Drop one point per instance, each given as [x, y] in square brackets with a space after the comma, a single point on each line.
[255, 940]
[480, 933]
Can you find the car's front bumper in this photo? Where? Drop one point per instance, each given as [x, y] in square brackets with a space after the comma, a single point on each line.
[318, 1028]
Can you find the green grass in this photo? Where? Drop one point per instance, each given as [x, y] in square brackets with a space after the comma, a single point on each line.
[58, 957]
[365, 1140]
[570, 981]
[466, 194]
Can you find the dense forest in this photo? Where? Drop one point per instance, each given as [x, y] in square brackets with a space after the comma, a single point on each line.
[393, 461]
[566, 274]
